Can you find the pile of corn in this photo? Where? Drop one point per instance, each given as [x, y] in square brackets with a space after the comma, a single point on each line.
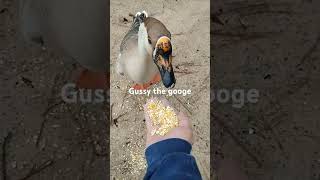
[163, 118]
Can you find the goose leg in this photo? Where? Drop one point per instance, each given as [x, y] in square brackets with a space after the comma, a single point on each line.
[156, 79]
[86, 79]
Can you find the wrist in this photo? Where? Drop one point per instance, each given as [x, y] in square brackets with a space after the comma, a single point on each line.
[162, 148]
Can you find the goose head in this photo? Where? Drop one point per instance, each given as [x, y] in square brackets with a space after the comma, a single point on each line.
[162, 57]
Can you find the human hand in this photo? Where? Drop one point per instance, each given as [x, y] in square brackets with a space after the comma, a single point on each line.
[183, 131]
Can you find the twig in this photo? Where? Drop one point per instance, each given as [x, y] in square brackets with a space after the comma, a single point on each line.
[121, 25]
[27, 81]
[237, 141]
[178, 34]
[124, 97]
[187, 64]
[183, 72]
[49, 108]
[216, 19]
[35, 171]
[115, 120]
[4, 155]
[309, 52]
[44, 115]
[92, 142]
[268, 127]
[183, 104]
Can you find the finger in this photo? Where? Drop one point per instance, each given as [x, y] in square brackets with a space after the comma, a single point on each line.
[165, 102]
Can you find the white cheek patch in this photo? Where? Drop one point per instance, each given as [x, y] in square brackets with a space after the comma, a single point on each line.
[138, 14]
[145, 13]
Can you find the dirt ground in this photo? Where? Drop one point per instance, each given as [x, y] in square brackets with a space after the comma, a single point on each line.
[189, 23]
[42, 137]
[272, 46]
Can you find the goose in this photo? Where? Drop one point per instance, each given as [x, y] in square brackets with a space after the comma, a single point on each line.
[74, 28]
[146, 53]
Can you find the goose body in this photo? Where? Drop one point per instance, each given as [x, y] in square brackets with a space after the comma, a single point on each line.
[75, 28]
[137, 50]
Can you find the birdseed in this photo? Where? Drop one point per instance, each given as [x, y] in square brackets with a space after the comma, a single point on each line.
[163, 118]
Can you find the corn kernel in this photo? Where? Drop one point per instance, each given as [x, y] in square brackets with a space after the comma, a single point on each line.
[163, 118]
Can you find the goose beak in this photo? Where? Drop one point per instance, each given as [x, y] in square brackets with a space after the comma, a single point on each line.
[164, 64]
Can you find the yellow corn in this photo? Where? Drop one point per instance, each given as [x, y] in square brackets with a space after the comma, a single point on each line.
[163, 118]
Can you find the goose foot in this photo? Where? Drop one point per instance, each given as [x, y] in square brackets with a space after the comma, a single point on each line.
[87, 79]
[140, 86]
[156, 79]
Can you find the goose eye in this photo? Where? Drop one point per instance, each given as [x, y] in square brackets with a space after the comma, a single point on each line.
[149, 40]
